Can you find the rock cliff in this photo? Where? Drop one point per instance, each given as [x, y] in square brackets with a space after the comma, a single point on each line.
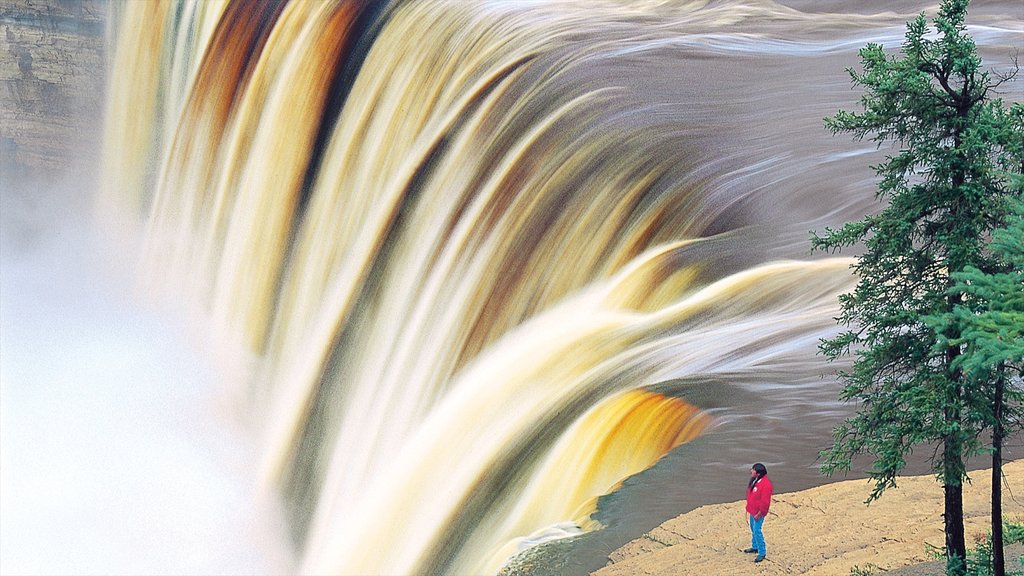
[51, 84]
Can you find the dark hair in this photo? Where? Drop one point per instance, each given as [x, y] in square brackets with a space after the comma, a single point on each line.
[761, 473]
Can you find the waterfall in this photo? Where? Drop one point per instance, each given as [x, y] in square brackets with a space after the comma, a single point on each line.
[460, 264]
[469, 255]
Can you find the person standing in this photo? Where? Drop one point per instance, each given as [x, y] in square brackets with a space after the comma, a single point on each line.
[759, 499]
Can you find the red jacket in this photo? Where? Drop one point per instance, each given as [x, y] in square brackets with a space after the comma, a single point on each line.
[759, 497]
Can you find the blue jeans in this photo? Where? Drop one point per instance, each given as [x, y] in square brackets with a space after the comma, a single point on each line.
[756, 537]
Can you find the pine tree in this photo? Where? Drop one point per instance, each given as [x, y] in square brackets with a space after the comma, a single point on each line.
[946, 187]
[990, 328]
[990, 321]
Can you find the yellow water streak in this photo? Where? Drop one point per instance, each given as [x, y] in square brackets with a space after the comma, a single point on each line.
[182, 202]
[133, 104]
[269, 187]
[624, 435]
[157, 47]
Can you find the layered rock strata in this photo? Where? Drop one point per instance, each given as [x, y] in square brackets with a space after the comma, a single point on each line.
[51, 84]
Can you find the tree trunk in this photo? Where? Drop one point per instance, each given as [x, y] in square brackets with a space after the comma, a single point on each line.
[998, 562]
[953, 516]
[956, 549]
[953, 469]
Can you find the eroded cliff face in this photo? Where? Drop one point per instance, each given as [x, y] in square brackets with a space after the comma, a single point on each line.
[51, 85]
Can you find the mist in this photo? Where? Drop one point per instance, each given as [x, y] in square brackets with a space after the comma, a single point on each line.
[117, 452]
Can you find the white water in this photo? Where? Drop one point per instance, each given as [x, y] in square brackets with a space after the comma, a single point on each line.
[114, 455]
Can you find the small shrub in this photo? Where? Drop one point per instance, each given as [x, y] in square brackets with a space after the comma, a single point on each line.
[979, 558]
[1013, 533]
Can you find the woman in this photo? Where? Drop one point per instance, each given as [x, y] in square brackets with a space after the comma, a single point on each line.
[759, 498]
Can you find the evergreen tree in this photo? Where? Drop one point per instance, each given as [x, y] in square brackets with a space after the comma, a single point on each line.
[945, 189]
[990, 328]
[990, 321]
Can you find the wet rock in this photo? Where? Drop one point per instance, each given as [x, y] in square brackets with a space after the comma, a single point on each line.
[549, 559]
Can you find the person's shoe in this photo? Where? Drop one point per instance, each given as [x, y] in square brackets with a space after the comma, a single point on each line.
[758, 559]
[750, 550]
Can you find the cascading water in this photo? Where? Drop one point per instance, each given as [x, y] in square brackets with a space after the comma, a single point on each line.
[473, 256]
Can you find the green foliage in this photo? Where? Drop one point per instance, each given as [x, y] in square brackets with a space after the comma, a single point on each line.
[948, 184]
[989, 322]
[986, 326]
[1013, 533]
[979, 559]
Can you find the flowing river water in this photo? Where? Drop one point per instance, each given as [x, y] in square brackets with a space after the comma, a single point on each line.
[473, 265]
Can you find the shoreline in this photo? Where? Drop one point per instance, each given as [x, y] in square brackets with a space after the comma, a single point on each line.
[827, 530]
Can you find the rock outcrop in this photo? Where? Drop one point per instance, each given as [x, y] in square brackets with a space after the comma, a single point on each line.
[51, 84]
[826, 530]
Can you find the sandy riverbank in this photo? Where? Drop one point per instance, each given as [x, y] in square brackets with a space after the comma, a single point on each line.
[822, 531]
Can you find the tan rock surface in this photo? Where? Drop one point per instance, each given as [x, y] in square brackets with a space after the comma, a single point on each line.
[824, 531]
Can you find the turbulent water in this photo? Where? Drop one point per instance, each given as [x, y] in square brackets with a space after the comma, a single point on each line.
[474, 264]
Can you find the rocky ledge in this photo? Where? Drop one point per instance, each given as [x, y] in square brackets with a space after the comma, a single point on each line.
[824, 531]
